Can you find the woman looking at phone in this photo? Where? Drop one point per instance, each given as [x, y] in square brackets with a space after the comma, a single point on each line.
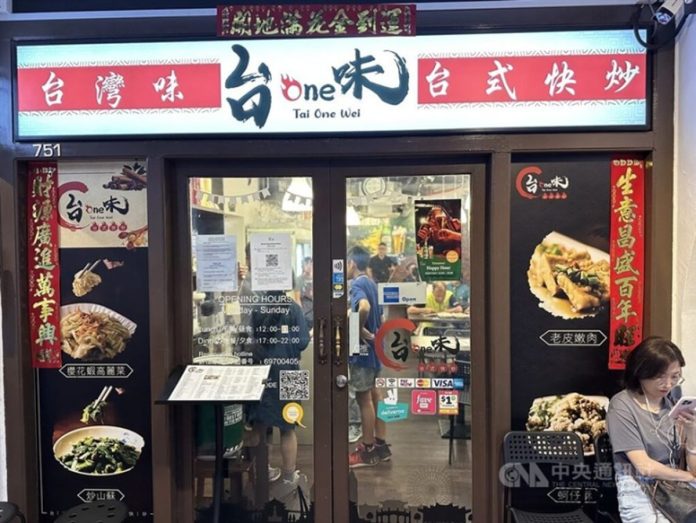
[647, 443]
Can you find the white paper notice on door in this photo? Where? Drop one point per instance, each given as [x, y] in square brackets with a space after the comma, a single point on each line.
[271, 261]
[216, 263]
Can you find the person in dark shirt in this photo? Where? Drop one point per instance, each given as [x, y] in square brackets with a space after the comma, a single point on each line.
[381, 266]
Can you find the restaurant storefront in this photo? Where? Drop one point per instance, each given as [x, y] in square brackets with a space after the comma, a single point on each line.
[169, 199]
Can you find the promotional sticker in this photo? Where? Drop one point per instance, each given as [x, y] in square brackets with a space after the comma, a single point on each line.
[424, 402]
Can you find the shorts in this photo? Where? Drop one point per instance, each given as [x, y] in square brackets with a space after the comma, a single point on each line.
[634, 504]
[362, 379]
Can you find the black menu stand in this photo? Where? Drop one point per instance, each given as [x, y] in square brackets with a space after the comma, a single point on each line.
[218, 406]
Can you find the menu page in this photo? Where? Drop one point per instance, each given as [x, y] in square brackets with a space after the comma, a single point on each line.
[221, 383]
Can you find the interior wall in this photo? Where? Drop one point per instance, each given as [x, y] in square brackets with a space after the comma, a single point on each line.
[684, 273]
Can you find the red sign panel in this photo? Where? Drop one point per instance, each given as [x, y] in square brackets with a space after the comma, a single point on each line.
[531, 78]
[627, 258]
[302, 21]
[44, 268]
[113, 87]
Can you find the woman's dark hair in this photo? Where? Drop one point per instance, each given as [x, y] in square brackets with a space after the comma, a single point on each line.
[649, 359]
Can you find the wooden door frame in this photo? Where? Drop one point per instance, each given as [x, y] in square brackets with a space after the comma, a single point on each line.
[182, 172]
[477, 167]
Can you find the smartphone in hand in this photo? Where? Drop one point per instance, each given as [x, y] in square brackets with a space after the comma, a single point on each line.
[685, 404]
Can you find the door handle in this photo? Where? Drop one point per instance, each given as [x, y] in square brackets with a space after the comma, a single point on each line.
[338, 339]
[322, 342]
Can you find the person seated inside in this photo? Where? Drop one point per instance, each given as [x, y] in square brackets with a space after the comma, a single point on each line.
[438, 299]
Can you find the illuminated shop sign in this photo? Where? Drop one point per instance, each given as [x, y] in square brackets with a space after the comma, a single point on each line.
[482, 82]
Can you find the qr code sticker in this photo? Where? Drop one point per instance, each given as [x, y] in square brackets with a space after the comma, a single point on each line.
[294, 385]
[271, 260]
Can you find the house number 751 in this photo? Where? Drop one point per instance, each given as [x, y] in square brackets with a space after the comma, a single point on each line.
[46, 150]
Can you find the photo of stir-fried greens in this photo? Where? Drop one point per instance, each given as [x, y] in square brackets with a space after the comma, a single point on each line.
[95, 455]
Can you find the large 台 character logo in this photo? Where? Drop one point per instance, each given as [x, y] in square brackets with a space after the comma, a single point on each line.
[259, 96]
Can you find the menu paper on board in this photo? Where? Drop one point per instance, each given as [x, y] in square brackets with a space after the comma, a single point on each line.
[216, 263]
[221, 383]
[271, 269]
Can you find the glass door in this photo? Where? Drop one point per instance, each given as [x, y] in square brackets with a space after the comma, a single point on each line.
[402, 395]
[253, 238]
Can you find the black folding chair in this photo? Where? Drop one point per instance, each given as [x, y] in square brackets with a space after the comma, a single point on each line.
[605, 455]
[526, 448]
[9, 511]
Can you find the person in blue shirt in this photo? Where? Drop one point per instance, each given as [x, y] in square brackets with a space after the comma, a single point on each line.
[363, 368]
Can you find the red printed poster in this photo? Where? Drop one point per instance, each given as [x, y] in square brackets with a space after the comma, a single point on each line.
[44, 269]
[627, 258]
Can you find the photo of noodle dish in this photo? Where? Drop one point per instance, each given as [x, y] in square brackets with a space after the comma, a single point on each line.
[584, 415]
[92, 332]
[99, 451]
[570, 279]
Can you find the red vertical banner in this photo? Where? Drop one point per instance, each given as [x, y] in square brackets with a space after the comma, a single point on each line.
[627, 258]
[44, 268]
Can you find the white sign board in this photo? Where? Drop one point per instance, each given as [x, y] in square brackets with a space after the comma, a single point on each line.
[485, 81]
[402, 293]
[221, 383]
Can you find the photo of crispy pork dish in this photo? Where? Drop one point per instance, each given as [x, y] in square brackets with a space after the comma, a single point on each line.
[567, 278]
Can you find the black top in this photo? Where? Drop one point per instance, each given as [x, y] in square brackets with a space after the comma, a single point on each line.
[380, 268]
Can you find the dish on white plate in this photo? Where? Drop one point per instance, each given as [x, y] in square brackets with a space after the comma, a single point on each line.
[570, 279]
[557, 413]
[92, 332]
[99, 451]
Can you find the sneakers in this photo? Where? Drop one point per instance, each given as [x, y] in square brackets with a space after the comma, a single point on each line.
[364, 457]
[383, 451]
[273, 473]
[282, 490]
[354, 433]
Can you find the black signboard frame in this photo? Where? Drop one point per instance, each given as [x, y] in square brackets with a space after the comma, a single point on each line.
[218, 407]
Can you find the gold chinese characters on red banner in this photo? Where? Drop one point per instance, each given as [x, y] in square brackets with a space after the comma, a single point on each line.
[627, 258]
[302, 21]
[44, 270]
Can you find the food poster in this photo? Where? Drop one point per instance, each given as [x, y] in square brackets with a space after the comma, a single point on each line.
[94, 412]
[439, 239]
[559, 270]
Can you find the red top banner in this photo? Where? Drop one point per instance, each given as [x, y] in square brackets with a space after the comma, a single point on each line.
[302, 21]
[116, 87]
[627, 258]
[531, 78]
[44, 269]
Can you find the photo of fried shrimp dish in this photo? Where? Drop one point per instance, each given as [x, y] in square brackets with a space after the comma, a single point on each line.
[569, 281]
[573, 412]
[92, 336]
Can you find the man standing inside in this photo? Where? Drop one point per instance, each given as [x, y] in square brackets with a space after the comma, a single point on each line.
[381, 267]
[364, 367]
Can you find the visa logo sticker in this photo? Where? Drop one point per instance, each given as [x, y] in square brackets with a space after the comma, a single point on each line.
[443, 383]
[424, 402]
[391, 295]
